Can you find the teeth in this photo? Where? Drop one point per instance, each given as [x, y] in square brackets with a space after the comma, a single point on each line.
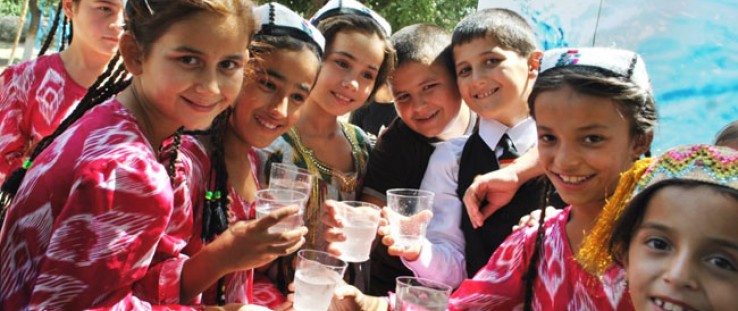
[668, 306]
[428, 117]
[343, 98]
[266, 124]
[572, 179]
[483, 95]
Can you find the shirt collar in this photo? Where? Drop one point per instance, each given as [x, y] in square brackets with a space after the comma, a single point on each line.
[523, 134]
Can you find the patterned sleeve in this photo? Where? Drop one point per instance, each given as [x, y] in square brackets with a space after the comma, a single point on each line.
[14, 85]
[105, 237]
[499, 285]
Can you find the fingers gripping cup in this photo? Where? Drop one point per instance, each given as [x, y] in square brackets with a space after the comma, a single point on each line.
[418, 294]
[316, 277]
[360, 221]
[269, 200]
[290, 177]
[410, 213]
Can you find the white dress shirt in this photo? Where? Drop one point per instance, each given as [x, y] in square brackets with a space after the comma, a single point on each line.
[442, 254]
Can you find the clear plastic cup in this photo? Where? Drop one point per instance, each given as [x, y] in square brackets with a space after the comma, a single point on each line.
[360, 221]
[409, 215]
[316, 277]
[288, 176]
[419, 294]
[269, 200]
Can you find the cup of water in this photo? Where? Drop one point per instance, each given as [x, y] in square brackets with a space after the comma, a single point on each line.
[269, 200]
[316, 277]
[288, 176]
[360, 221]
[419, 294]
[410, 213]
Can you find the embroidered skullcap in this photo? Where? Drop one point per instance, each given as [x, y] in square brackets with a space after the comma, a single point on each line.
[622, 63]
[341, 7]
[278, 20]
[703, 163]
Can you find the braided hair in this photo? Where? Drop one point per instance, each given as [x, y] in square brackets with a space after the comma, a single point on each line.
[532, 273]
[60, 16]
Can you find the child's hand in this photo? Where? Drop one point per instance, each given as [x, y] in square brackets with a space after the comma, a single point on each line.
[349, 298]
[248, 244]
[533, 219]
[497, 187]
[412, 252]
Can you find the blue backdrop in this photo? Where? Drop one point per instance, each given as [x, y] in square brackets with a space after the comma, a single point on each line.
[689, 46]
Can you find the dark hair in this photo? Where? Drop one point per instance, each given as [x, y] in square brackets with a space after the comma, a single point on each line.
[727, 134]
[636, 103]
[530, 275]
[425, 44]
[625, 227]
[506, 27]
[330, 27]
[146, 26]
[60, 16]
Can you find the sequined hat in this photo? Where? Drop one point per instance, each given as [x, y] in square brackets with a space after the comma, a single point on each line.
[278, 20]
[623, 63]
[340, 7]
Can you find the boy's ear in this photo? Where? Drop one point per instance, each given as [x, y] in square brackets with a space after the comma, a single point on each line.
[132, 54]
[534, 63]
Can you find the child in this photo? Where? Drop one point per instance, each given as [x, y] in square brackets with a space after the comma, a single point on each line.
[676, 237]
[286, 59]
[728, 136]
[93, 223]
[595, 114]
[36, 95]
[430, 111]
[358, 57]
[496, 63]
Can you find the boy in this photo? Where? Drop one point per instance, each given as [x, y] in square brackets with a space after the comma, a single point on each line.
[496, 63]
[430, 111]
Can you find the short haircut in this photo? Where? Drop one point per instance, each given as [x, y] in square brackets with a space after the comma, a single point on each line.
[424, 44]
[506, 27]
[727, 134]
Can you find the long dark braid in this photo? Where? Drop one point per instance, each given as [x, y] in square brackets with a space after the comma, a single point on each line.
[66, 39]
[52, 33]
[115, 80]
[532, 273]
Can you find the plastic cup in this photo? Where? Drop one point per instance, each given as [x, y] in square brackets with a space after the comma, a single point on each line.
[287, 176]
[406, 205]
[269, 200]
[360, 221]
[316, 277]
[419, 294]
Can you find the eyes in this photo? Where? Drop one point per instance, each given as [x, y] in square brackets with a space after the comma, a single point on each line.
[191, 62]
[345, 64]
[661, 246]
[426, 88]
[268, 86]
[465, 70]
[588, 140]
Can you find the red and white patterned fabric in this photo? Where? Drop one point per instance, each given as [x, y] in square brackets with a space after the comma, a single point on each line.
[247, 286]
[93, 224]
[35, 96]
[561, 283]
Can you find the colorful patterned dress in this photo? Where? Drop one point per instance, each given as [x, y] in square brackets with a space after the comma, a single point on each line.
[35, 96]
[246, 286]
[95, 223]
[561, 284]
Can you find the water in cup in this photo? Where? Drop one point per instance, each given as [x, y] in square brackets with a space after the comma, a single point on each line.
[409, 215]
[419, 294]
[287, 224]
[314, 288]
[270, 200]
[360, 221]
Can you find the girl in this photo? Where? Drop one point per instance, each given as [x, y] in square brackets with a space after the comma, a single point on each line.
[604, 97]
[36, 95]
[93, 224]
[286, 58]
[357, 59]
[677, 237]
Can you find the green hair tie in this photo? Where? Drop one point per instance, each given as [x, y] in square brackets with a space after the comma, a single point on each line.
[217, 195]
[27, 164]
[208, 195]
